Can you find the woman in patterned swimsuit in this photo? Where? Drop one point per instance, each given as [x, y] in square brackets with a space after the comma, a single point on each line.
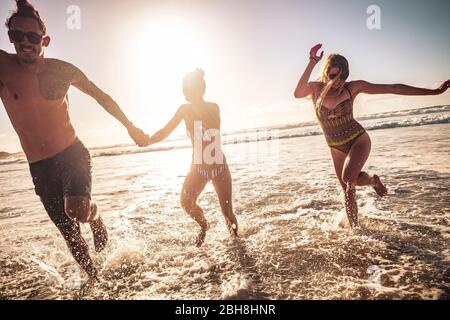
[348, 141]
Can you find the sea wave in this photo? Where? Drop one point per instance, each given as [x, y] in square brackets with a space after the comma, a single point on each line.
[277, 134]
[13, 161]
[385, 120]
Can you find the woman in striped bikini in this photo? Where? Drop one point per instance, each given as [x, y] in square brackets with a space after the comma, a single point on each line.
[202, 121]
[348, 141]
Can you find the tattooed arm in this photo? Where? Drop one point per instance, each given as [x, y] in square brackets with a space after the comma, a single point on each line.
[80, 81]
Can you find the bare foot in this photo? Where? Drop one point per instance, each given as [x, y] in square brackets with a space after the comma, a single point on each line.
[356, 229]
[100, 233]
[379, 188]
[87, 287]
[233, 229]
[201, 236]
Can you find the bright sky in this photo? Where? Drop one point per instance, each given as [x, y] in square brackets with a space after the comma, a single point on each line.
[253, 53]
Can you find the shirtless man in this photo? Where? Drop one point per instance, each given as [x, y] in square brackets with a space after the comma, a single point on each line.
[34, 93]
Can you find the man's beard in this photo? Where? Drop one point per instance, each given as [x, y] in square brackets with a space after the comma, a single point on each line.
[28, 58]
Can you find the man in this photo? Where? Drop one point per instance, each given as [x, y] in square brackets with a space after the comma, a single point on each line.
[34, 93]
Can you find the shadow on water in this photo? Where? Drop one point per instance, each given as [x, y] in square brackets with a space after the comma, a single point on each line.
[244, 265]
[419, 250]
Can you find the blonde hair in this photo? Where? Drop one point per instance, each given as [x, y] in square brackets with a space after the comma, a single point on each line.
[333, 60]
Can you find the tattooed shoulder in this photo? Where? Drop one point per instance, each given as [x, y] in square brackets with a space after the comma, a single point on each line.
[62, 69]
[55, 81]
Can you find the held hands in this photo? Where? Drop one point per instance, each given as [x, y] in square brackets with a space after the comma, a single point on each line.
[443, 87]
[313, 53]
[139, 136]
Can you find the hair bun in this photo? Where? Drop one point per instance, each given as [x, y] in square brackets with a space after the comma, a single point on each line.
[200, 72]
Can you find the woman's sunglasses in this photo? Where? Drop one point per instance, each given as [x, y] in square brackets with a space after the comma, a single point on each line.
[19, 36]
[332, 76]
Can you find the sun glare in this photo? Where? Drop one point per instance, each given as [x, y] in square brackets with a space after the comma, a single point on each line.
[163, 52]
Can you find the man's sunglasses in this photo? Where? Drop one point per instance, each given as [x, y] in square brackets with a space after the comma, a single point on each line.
[19, 36]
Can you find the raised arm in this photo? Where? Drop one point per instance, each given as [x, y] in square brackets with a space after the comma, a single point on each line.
[361, 86]
[168, 129]
[80, 81]
[304, 87]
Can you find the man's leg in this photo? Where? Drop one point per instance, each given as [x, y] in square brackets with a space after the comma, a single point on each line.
[49, 179]
[78, 247]
[76, 178]
[82, 209]
[71, 232]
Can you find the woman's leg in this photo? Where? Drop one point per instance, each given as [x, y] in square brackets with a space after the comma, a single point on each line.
[357, 157]
[192, 187]
[364, 179]
[224, 188]
[338, 162]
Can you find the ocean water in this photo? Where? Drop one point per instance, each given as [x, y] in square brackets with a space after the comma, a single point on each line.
[294, 241]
